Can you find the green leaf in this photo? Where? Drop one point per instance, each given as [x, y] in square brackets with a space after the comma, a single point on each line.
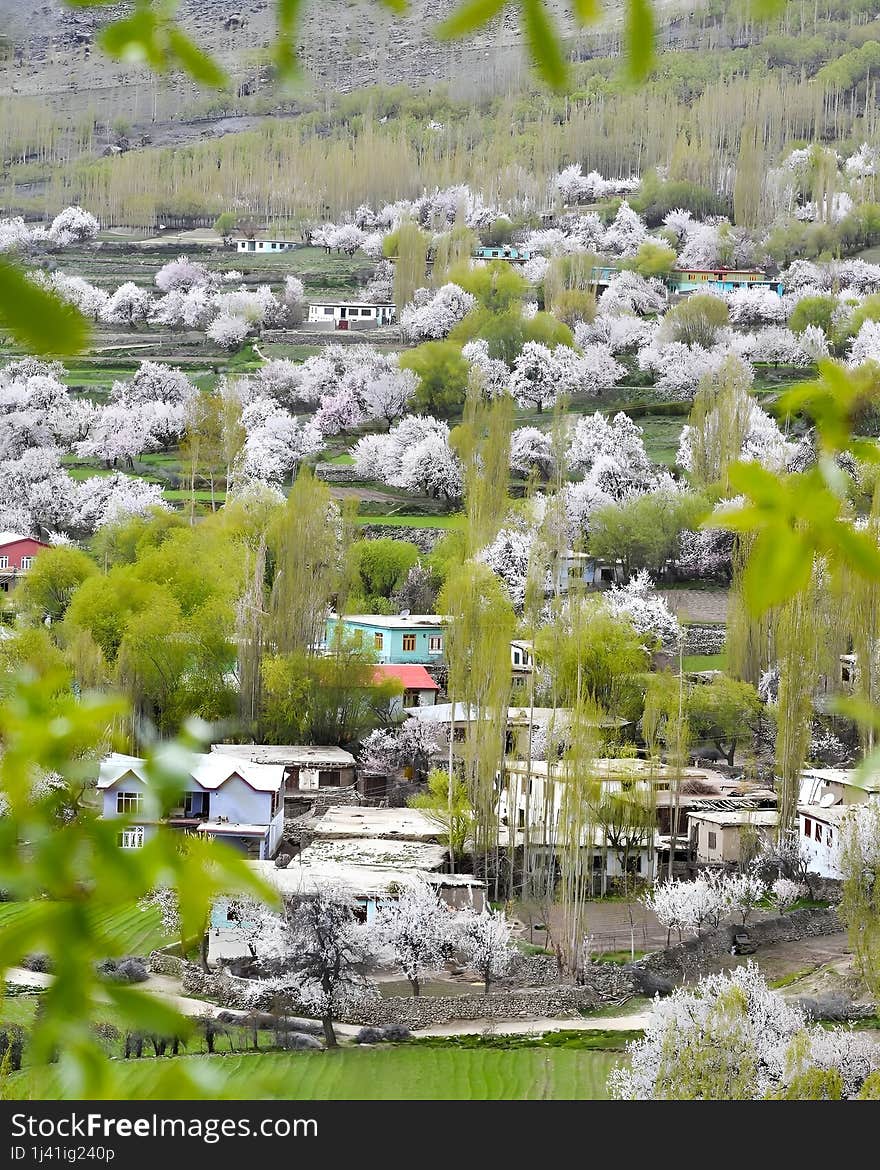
[468, 17]
[859, 550]
[144, 1011]
[38, 319]
[194, 61]
[544, 44]
[135, 39]
[638, 36]
[779, 566]
[586, 11]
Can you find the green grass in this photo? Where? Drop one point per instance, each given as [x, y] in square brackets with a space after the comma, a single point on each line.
[136, 932]
[792, 977]
[402, 520]
[410, 1072]
[692, 662]
[617, 956]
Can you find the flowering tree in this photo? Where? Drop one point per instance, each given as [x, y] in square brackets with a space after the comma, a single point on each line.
[531, 450]
[630, 293]
[410, 744]
[645, 608]
[328, 953]
[181, 275]
[14, 234]
[672, 903]
[414, 928]
[88, 298]
[228, 331]
[485, 941]
[432, 315]
[595, 442]
[494, 374]
[785, 893]
[626, 233]
[73, 225]
[128, 305]
[732, 1038]
[508, 557]
[154, 382]
[743, 892]
[191, 308]
[276, 442]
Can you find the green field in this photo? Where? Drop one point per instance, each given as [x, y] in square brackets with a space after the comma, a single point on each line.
[373, 1074]
[135, 931]
[705, 661]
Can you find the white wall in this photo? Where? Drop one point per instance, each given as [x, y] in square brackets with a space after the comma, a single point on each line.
[240, 804]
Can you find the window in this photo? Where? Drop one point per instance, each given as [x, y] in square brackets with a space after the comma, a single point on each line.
[818, 831]
[807, 827]
[829, 840]
[4, 562]
[517, 658]
[378, 641]
[327, 310]
[195, 804]
[435, 644]
[713, 841]
[129, 802]
[26, 562]
[409, 643]
[131, 838]
[410, 698]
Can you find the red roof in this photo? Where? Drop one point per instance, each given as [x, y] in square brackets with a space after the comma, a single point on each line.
[414, 678]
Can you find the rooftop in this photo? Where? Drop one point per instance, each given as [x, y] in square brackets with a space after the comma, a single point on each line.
[375, 851]
[392, 621]
[286, 754]
[209, 771]
[13, 537]
[364, 881]
[404, 824]
[414, 678]
[762, 817]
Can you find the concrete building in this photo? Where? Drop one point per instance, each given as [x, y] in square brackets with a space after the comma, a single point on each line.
[419, 689]
[262, 247]
[717, 837]
[17, 554]
[398, 638]
[826, 797]
[306, 767]
[350, 314]
[233, 800]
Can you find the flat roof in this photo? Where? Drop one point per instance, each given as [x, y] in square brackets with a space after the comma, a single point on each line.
[365, 881]
[262, 753]
[405, 824]
[764, 817]
[392, 621]
[375, 851]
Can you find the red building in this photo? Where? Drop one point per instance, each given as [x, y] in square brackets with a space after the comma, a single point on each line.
[16, 557]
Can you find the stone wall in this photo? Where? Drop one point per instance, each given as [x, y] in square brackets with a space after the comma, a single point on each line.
[695, 955]
[545, 1002]
[163, 963]
[423, 538]
[338, 473]
[704, 639]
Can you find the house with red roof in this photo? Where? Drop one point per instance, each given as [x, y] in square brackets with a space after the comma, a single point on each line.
[419, 689]
[17, 554]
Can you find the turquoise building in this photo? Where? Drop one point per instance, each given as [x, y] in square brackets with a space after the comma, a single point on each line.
[396, 638]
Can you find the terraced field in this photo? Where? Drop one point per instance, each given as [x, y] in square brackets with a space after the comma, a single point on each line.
[136, 931]
[398, 1073]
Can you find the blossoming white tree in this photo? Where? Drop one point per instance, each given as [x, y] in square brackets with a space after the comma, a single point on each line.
[645, 608]
[486, 942]
[731, 1038]
[414, 928]
[433, 314]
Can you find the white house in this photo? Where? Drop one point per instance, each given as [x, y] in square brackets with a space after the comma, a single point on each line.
[264, 246]
[305, 767]
[826, 796]
[350, 314]
[233, 800]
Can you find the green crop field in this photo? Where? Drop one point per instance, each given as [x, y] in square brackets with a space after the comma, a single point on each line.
[136, 931]
[394, 1073]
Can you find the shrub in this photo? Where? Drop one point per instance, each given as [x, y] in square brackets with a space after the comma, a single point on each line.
[396, 1032]
[37, 962]
[369, 1035]
[131, 969]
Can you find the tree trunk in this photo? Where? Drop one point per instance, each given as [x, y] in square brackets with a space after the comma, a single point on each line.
[203, 951]
[416, 989]
[329, 1034]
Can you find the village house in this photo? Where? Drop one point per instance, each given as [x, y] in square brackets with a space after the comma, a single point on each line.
[419, 689]
[401, 638]
[717, 837]
[826, 796]
[226, 798]
[17, 554]
[372, 852]
[306, 768]
[509, 252]
[350, 314]
[263, 246]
